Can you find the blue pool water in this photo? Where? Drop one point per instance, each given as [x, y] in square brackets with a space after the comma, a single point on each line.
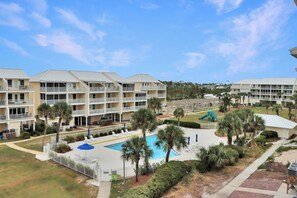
[158, 153]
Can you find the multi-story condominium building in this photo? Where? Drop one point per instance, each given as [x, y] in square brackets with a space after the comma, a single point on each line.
[94, 96]
[16, 101]
[277, 90]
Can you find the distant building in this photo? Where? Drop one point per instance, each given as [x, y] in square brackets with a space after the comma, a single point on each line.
[209, 96]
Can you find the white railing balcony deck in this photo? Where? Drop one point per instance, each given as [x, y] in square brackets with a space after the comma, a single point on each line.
[79, 100]
[97, 89]
[96, 100]
[128, 99]
[96, 111]
[19, 88]
[151, 96]
[3, 117]
[149, 87]
[112, 89]
[112, 99]
[21, 116]
[75, 89]
[52, 89]
[113, 109]
[20, 102]
[161, 87]
[128, 89]
[128, 108]
[161, 95]
[2, 102]
[78, 112]
[140, 98]
[140, 107]
[52, 102]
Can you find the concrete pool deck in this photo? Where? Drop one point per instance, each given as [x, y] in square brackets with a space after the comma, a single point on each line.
[110, 159]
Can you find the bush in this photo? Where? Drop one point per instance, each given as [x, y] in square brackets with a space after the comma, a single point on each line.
[232, 156]
[96, 135]
[222, 109]
[25, 135]
[69, 129]
[270, 134]
[165, 177]
[183, 124]
[39, 126]
[34, 133]
[260, 140]
[51, 129]
[63, 148]
[80, 137]
[70, 139]
[239, 150]
[110, 133]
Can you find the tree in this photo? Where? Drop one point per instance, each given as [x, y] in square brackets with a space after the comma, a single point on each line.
[155, 104]
[133, 150]
[276, 108]
[257, 124]
[171, 136]
[266, 104]
[294, 98]
[280, 96]
[249, 94]
[246, 116]
[230, 124]
[290, 106]
[64, 112]
[226, 99]
[44, 110]
[144, 119]
[179, 113]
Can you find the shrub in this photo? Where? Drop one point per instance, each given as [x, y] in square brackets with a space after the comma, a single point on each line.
[80, 137]
[184, 124]
[110, 133]
[69, 129]
[231, 155]
[260, 140]
[239, 150]
[222, 109]
[165, 177]
[63, 148]
[34, 133]
[96, 135]
[118, 130]
[25, 135]
[39, 126]
[51, 129]
[70, 139]
[270, 134]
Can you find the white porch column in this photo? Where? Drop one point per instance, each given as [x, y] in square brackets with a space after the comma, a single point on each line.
[33, 125]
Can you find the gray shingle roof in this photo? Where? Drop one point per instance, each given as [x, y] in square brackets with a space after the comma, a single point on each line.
[54, 76]
[89, 76]
[142, 78]
[115, 77]
[13, 73]
[277, 121]
[268, 81]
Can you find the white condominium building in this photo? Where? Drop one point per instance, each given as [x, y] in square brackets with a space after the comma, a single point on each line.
[277, 90]
[16, 101]
[95, 96]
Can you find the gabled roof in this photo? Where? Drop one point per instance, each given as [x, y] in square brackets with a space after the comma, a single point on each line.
[54, 76]
[277, 121]
[294, 52]
[13, 73]
[89, 76]
[268, 81]
[142, 78]
[117, 78]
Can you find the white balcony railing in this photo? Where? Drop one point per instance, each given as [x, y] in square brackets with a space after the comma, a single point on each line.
[112, 99]
[96, 100]
[162, 87]
[161, 95]
[96, 111]
[75, 89]
[19, 87]
[97, 89]
[2, 102]
[78, 112]
[128, 99]
[112, 89]
[149, 87]
[3, 117]
[140, 107]
[52, 102]
[151, 96]
[128, 108]
[52, 89]
[20, 102]
[111, 109]
[21, 116]
[140, 98]
[128, 88]
[79, 100]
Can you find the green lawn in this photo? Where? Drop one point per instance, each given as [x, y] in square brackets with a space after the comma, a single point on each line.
[35, 144]
[24, 176]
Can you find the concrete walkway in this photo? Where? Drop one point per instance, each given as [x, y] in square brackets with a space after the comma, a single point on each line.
[237, 181]
[104, 190]
[13, 146]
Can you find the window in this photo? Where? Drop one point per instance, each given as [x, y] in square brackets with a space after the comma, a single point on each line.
[74, 108]
[9, 82]
[9, 96]
[22, 96]
[22, 83]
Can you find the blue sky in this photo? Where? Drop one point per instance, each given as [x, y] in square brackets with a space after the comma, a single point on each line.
[187, 40]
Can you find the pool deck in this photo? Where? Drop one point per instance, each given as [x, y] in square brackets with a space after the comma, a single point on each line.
[110, 159]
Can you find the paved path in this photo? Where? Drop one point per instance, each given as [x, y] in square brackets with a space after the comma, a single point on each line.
[13, 146]
[237, 181]
[104, 190]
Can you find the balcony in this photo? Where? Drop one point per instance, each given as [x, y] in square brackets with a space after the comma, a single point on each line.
[21, 116]
[3, 117]
[52, 102]
[151, 96]
[161, 95]
[149, 87]
[52, 89]
[75, 89]
[97, 89]
[128, 88]
[113, 109]
[128, 99]
[128, 108]
[20, 102]
[20, 88]
[96, 111]
[2, 102]
[78, 112]
[140, 98]
[140, 107]
[112, 99]
[161, 87]
[96, 100]
[74, 101]
[112, 89]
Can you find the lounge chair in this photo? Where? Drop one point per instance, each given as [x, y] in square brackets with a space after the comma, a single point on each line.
[114, 134]
[86, 139]
[124, 133]
[126, 130]
[92, 138]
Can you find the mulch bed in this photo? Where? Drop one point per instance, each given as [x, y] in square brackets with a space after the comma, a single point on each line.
[241, 194]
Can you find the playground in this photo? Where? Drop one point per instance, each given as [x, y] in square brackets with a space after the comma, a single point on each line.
[211, 116]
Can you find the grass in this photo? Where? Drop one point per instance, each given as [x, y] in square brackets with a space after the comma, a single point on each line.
[24, 176]
[118, 188]
[12, 140]
[35, 144]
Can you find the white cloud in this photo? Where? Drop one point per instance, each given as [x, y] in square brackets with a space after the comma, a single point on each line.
[72, 19]
[14, 46]
[9, 16]
[194, 59]
[225, 5]
[100, 35]
[118, 58]
[45, 22]
[102, 19]
[254, 33]
[39, 5]
[63, 43]
[150, 6]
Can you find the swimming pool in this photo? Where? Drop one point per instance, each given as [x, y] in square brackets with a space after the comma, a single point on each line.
[158, 153]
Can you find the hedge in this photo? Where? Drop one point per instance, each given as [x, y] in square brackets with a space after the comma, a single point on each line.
[165, 177]
[270, 134]
[184, 124]
[239, 149]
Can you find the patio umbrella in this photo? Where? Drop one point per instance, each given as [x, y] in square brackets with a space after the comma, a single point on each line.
[189, 139]
[196, 137]
[89, 133]
[85, 147]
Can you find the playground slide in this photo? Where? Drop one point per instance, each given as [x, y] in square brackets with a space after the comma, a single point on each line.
[203, 117]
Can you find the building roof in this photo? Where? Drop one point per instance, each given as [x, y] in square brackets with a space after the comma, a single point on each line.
[277, 121]
[268, 81]
[142, 78]
[90, 76]
[13, 73]
[294, 52]
[115, 77]
[54, 76]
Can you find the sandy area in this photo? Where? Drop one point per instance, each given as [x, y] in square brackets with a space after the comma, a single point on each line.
[288, 156]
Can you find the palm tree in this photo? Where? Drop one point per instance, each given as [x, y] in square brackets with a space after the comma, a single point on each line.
[257, 124]
[249, 94]
[246, 115]
[44, 110]
[171, 136]
[294, 98]
[236, 126]
[290, 106]
[276, 108]
[133, 150]
[267, 104]
[64, 112]
[154, 104]
[226, 101]
[280, 96]
[179, 113]
[225, 126]
[144, 119]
